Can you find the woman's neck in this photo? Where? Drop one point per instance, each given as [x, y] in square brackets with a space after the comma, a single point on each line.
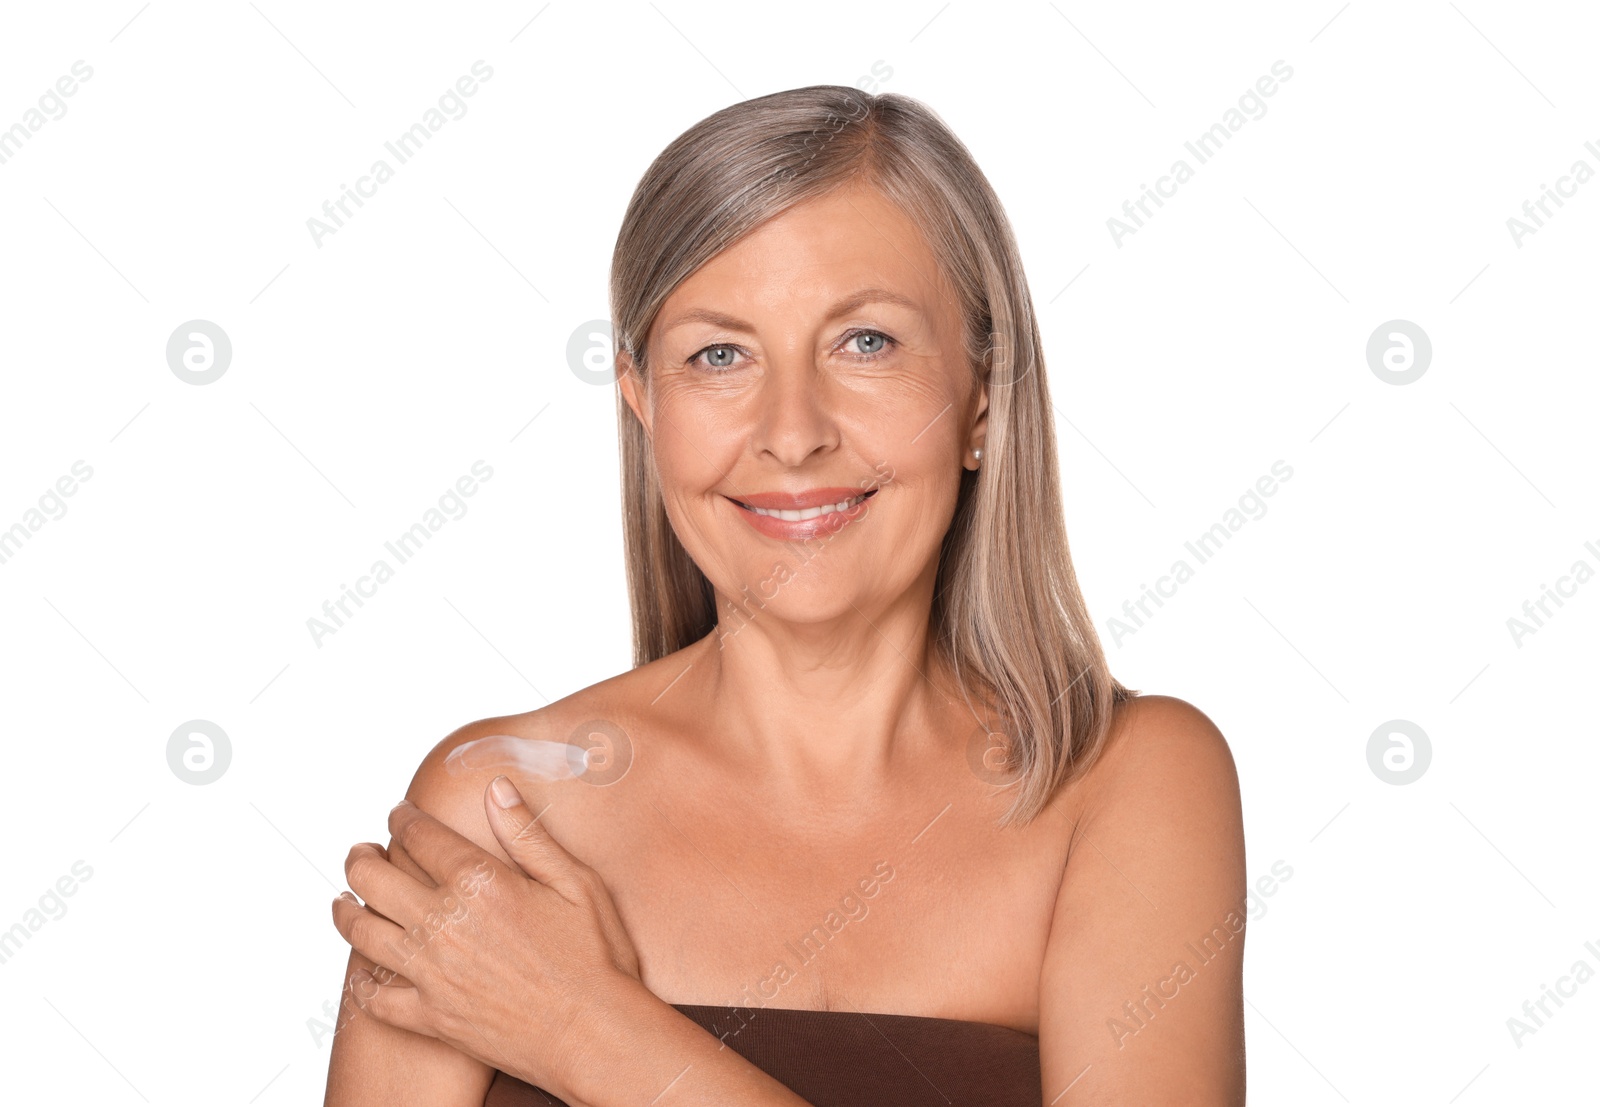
[827, 711]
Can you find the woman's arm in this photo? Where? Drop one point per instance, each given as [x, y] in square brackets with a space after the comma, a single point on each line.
[647, 1051]
[372, 1062]
[620, 1045]
[1141, 993]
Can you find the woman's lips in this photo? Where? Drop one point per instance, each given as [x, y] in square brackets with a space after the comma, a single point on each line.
[799, 501]
[830, 521]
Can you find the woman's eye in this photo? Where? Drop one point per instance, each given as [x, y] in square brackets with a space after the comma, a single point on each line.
[869, 344]
[876, 342]
[718, 357]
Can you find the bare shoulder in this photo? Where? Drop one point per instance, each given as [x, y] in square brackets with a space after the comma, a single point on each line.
[450, 782]
[1162, 753]
[555, 755]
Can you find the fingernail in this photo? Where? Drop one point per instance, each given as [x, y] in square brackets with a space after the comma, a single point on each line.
[504, 794]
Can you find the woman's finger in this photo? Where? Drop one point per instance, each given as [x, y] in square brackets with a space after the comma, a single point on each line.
[389, 889]
[398, 1004]
[526, 840]
[370, 934]
[454, 863]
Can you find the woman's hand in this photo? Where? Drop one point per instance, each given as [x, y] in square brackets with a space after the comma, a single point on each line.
[511, 970]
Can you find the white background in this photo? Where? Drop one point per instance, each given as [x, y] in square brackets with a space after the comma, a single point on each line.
[369, 372]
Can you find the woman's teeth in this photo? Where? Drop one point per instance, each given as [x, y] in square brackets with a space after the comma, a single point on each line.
[808, 513]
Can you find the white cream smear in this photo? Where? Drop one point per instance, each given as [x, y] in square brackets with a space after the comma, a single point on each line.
[532, 757]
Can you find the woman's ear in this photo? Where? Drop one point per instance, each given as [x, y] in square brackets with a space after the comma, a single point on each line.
[980, 416]
[634, 390]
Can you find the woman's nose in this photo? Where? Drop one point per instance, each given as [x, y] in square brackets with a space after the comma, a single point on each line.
[794, 414]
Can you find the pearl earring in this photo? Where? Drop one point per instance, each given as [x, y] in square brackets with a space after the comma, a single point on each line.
[977, 454]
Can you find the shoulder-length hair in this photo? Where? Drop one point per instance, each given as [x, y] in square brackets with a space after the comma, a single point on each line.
[1007, 613]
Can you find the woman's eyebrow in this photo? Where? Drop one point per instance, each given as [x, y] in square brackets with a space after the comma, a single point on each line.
[843, 307]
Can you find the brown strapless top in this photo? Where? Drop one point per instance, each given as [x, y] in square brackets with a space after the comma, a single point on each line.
[848, 1059]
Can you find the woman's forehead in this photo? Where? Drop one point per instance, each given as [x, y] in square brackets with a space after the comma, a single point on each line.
[834, 254]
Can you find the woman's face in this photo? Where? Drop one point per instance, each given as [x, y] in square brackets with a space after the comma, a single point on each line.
[821, 356]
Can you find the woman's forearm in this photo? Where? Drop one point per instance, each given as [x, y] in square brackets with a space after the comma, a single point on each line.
[641, 1046]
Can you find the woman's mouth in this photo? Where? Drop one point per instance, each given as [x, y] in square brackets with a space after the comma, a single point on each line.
[808, 522]
[810, 512]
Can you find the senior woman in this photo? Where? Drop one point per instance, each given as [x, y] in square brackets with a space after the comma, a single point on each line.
[870, 821]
